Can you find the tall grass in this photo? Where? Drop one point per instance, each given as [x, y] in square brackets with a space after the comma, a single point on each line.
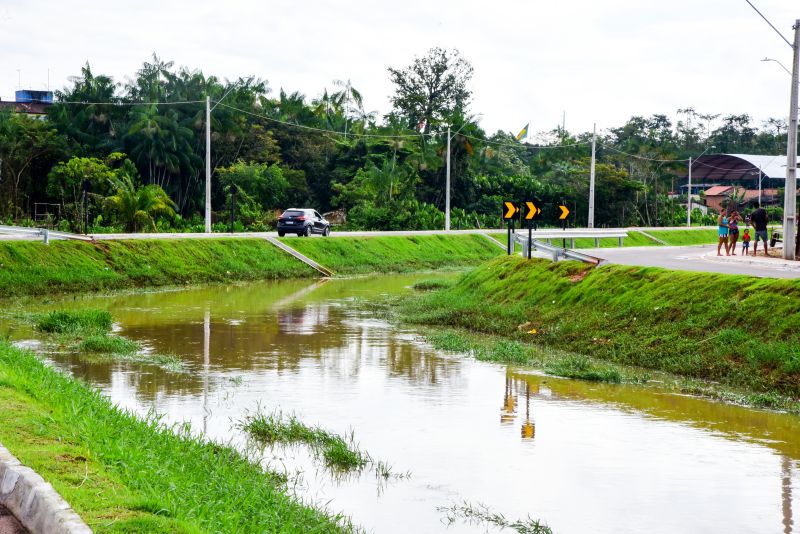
[336, 451]
[742, 331]
[140, 475]
[74, 322]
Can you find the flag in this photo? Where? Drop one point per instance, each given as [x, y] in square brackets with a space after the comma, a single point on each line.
[523, 133]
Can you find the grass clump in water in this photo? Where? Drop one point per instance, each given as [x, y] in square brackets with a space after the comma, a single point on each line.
[481, 514]
[76, 322]
[432, 284]
[336, 451]
[582, 368]
[105, 343]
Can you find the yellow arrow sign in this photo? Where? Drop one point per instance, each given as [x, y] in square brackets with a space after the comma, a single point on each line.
[533, 211]
[511, 210]
[564, 212]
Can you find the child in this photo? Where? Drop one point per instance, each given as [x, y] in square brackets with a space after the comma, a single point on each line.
[746, 241]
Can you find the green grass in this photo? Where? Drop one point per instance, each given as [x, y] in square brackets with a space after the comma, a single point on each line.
[739, 330]
[433, 283]
[105, 343]
[479, 513]
[334, 450]
[122, 473]
[74, 322]
[704, 236]
[28, 267]
[637, 239]
[382, 254]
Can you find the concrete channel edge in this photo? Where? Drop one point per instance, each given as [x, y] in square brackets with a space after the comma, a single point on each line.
[34, 502]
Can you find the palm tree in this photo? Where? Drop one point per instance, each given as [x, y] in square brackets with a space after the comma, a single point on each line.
[135, 206]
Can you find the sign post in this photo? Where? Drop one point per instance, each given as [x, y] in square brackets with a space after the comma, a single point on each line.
[532, 215]
[510, 213]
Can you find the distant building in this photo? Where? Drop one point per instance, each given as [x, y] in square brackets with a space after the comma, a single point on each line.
[30, 102]
[719, 197]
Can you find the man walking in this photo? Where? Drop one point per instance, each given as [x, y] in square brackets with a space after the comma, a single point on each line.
[759, 220]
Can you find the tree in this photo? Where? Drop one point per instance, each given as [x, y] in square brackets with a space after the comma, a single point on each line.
[136, 207]
[24, 144]
[65, 180]
[431, 88]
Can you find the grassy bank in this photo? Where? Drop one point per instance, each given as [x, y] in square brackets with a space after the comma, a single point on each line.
[32, 268]
[125, 474]
[28, 267]
[635, 238]
[381, 254]
[742, 331]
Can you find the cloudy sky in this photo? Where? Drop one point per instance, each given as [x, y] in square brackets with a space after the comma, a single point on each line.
[597, 60]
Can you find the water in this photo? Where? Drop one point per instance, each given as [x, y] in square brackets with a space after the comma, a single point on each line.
[582, 457]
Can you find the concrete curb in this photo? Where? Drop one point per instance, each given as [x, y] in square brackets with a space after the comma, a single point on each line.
[34, 502]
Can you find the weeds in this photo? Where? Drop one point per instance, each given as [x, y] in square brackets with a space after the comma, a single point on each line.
[79, 322]
[481, 514]
[581, 367]
[336, 451]
[432, 284]
[105, 343]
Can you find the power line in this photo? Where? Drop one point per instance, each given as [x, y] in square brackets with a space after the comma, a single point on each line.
[522, 145]
[770, 24]
[323, 130]
[643, 157]
[71, 103]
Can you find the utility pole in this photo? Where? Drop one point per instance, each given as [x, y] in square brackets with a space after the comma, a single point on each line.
[689, 197]
[447, 187]
[591, 178]
[208, 164]
[790, 191]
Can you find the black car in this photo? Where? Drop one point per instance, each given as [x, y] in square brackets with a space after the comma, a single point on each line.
[303, 222]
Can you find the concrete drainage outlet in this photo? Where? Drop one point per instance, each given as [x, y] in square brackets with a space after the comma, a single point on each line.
[33, 501]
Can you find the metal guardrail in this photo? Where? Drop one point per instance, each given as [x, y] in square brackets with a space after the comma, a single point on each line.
[553, 251]
[44, 233]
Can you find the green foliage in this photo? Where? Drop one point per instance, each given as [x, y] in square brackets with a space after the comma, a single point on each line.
[123, 473]
[136, 207]
[74, 322]
[104, 343]
[333, 449]
[738, 330]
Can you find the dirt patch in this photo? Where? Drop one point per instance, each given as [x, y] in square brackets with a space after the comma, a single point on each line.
[578, 277]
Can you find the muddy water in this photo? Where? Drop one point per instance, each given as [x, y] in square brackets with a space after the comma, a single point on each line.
[582, 457]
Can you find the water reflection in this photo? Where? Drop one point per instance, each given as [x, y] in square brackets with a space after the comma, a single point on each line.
[632, 459]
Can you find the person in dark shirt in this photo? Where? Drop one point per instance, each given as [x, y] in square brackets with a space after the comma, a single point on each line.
[759, 220]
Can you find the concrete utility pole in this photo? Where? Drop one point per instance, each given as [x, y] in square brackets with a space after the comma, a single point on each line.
[689, 197]
[790, 191]
[591, 178]
[208, 164]
[447, 187]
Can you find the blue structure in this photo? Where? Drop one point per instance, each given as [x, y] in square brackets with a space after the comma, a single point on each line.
[30, 96]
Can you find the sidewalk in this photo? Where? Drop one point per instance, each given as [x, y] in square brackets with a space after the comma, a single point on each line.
[773, 261]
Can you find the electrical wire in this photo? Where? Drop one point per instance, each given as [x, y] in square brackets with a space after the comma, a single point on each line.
[643, 157]
[69, 103]
[521, 145]
[323, 130]
[770, 24]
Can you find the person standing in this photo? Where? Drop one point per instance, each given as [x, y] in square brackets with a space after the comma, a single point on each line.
[759, 220]
[722, 232]
[733, 231]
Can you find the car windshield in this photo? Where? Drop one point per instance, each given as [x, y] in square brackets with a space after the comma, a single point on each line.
[292, 213]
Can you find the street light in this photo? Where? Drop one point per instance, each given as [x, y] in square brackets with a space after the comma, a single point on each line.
[689, 188]
[779, 63]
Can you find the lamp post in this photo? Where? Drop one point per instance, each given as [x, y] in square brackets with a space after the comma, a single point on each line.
[689, 188]
[790, 191]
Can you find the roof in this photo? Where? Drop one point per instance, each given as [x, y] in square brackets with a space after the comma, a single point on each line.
[31, 108]
[718, 190]
[715, 167]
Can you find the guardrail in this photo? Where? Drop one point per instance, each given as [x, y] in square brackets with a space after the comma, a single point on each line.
[44, 233]
[556, 252]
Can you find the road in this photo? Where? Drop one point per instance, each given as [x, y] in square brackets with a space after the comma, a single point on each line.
[701, 258]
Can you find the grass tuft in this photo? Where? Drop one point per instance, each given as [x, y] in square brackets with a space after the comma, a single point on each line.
[481, 514]
[433, 284]
[74, 322]
[336, 451]
[105, 343]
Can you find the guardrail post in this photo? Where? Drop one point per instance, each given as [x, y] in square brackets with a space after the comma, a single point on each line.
[596, 242]
[620, 241]
[572, 242]
[46, 236]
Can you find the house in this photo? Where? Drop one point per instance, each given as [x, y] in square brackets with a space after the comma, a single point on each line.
[30, 102]
[719, 197]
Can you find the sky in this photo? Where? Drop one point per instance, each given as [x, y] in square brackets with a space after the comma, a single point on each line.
[593, 61]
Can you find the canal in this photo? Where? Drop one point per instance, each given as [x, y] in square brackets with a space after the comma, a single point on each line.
[582, 457]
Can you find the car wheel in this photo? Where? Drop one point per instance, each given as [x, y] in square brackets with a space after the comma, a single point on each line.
[281, 234]
[327, 231]
[307, 231]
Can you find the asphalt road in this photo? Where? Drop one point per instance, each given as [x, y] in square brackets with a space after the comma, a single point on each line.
[699, 258]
